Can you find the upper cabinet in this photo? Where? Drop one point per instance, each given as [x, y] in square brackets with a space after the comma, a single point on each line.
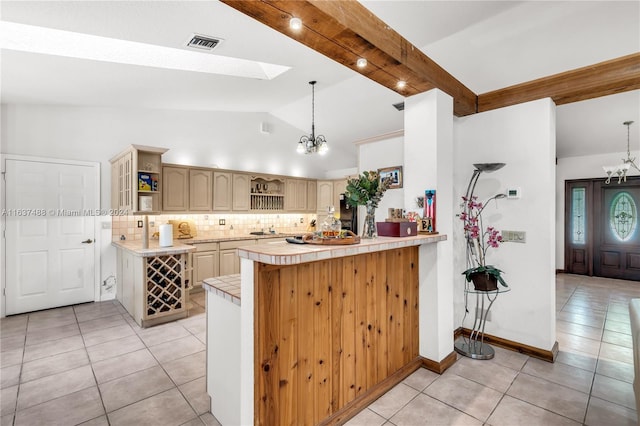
[312, 195]
[325, 196]
[295, 195]
[339, 188]
[175, 191]
[136, 179]
[241, 192]
[222, 191]
[200, 190]
[267, 193]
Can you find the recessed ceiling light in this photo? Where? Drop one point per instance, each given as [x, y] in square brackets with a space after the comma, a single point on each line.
[295, 23]
[361, 63]
[401, 84]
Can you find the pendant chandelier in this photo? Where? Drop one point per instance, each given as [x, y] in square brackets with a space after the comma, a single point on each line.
[312, 143]
[621, 169]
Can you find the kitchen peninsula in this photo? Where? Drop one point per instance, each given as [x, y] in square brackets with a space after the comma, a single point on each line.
[317, 331]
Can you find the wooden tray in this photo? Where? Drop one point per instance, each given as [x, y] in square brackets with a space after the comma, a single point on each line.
[351, 239]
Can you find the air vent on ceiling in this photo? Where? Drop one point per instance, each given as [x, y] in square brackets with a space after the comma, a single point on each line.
[399, 106]
[202, 42]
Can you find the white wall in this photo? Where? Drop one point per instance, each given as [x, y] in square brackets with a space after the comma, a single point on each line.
[585, 167]
[226, 139]
[523, 137]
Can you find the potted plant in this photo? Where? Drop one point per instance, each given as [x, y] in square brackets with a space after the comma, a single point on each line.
[479, 241]
[367, 190]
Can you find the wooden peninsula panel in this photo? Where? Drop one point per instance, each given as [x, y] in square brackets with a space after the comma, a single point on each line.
[328, 331]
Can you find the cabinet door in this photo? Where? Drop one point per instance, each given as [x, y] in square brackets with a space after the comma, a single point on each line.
[200, 190]
[301, 195]
[175, 189]
[222, 191]
[122, 183]
[205, 265]
[115, 193]
[128, 282]
[325, 196]
[229, 262]
[339, 187]
[290, 187]
[312, 196]
[241, 192]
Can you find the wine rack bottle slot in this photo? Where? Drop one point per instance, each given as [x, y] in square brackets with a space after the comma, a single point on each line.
[164, 285]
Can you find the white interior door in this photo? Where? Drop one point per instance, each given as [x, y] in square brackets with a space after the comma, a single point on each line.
[50, 234]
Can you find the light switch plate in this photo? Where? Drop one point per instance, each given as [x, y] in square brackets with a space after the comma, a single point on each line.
[514, 236]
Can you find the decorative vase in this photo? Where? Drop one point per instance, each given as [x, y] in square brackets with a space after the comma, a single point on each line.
[483, 281]
[369, 229]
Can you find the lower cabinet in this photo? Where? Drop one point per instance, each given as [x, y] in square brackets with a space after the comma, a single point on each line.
[215, 260]
[152, 288]
[205, 263]
[229, 259]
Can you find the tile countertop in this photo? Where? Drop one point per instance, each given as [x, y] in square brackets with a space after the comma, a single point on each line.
[154, 249]
[227, 287]
[283, 253]
[215, 237]
[185, 245]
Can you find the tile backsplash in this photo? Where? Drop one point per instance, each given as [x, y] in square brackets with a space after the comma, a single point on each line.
[234, 224]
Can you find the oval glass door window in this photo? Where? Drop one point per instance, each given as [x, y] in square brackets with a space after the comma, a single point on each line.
[623, 216]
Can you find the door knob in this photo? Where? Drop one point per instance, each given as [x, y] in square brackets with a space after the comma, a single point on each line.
[87, 241]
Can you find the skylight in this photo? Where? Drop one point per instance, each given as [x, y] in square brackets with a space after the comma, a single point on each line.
[29, 38]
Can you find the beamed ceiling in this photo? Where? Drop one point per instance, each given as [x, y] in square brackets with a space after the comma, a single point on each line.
[346, 31]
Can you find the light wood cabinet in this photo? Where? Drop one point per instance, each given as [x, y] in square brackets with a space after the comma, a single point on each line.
[339, 187]
[229, 262]
[325, 196]
[175, 190]
[267, 193]
[312, 196]
[135, 172]
[222, 191]
[200, 190]
[295, 195]
[229, 259]
[241, 192]
[152, 288]
[205, 265]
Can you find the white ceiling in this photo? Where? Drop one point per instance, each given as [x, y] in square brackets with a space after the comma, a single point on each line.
[486, 45]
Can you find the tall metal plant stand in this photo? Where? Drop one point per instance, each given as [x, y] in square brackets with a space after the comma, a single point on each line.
[474, 346]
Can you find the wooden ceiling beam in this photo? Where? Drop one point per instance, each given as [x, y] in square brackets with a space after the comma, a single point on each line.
[601, 79]
[346, 31]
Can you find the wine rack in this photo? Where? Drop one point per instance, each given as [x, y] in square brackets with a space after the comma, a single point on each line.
[165, 285]
[267, 202]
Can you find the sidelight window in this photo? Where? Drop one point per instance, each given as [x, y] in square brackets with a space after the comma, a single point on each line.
[623, 217]
[578, 215]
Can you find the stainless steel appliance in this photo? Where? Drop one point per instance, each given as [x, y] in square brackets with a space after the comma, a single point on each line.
[348, 215]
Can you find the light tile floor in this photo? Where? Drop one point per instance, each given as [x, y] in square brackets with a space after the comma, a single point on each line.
[91, 364]
[590, 383]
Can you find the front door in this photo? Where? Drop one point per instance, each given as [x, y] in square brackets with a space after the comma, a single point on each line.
[50, 258]
[616, 236]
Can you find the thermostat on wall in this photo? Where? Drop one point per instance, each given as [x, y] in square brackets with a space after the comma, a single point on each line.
[514, 193]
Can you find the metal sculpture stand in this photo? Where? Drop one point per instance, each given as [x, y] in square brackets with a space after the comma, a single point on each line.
[474, 346]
